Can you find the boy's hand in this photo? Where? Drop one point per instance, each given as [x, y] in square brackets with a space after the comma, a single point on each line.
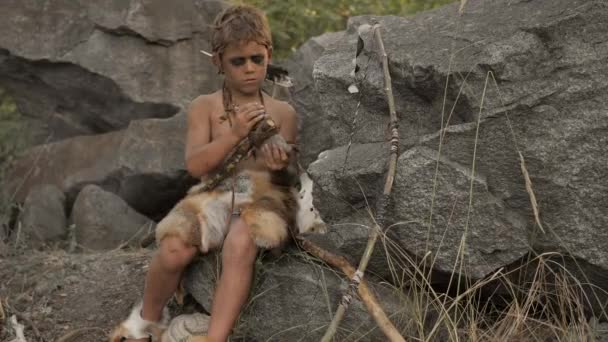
[245, 117]
[275, 156]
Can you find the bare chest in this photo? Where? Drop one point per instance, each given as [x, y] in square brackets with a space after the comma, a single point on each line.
[220, 125]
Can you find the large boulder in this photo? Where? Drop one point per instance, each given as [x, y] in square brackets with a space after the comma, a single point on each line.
[472, 90]
[82, 67]
[43, 220]
[292, 298]
[143, 164]
[305, 99]
[104, 221]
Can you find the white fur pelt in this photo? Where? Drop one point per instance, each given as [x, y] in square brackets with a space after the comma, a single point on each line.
[135, 327]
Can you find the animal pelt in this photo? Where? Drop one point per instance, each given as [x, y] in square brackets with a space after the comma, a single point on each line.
[135, 327]
[269, 203]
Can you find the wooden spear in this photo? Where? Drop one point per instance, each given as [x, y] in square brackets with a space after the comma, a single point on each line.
[367, 297]
[382, 203]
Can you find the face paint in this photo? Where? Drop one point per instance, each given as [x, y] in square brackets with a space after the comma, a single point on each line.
[240, 61]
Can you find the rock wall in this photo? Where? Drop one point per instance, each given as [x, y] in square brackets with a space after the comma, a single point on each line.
[472, 91]
[82, 67]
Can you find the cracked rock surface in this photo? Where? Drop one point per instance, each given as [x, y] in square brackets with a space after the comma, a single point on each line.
[82, 67]
[545, 63]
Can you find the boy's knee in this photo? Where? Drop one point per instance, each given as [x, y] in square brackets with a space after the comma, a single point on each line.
[175, 254]
[239, 244]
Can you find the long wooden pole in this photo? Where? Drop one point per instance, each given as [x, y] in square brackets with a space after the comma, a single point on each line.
[367, 297]
[382, 203]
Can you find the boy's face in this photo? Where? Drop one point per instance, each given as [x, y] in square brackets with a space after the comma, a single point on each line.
[244, 65]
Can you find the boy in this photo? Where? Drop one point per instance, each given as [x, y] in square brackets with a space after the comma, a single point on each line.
[217, 122]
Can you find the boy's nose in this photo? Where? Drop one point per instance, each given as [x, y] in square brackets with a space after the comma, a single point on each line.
[249, 66]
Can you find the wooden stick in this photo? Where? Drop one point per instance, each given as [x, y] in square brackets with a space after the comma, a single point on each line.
[530, 191]
[383, 201]
[76, 335]
[367, 297]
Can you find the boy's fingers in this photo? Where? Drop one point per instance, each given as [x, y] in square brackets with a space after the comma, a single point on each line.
[276, 153]
[266, 153]
[257, 119]
[253, 121]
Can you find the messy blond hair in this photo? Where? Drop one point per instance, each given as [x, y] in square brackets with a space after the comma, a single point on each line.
[240, 23]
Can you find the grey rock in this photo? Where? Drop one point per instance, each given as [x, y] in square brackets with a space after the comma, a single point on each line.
[3, 249]
[43, 220]
[348, 178]
[143, 164]
[564, 152]
[348, 237]
[294, 297]
[200, 278]
[549, 63]
[104, 221]
[304, 98]
[491, 234]
[80, 67]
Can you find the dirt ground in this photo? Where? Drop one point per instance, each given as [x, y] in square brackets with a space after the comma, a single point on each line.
[56, 295]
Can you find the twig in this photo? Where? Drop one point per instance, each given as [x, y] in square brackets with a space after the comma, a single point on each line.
[27, 320]
[71, 336]
[367, 297]
[383, 201]
[530, 191]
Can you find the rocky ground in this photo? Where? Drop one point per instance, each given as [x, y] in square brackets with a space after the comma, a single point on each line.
[76, 297]
[55, 294]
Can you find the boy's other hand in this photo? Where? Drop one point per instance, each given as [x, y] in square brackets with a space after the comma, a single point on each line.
[275, 157]
[245, 117]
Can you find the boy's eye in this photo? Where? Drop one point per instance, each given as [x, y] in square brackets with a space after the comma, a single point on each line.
[238, 61]
[258, 59]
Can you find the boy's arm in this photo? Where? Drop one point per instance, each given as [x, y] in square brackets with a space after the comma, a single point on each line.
[289, 125]
[202, 154]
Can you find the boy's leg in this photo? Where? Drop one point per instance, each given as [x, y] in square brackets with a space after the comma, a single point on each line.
[238, 258]
[163, 276]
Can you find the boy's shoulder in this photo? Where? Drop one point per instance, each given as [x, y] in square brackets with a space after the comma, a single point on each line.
[206, 100]
[204, 105]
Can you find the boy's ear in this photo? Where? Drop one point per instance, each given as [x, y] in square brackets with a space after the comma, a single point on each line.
[269, 55]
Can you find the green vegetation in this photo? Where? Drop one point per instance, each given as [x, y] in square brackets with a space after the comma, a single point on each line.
[293, 22]
[11, 137]
[12, 140]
